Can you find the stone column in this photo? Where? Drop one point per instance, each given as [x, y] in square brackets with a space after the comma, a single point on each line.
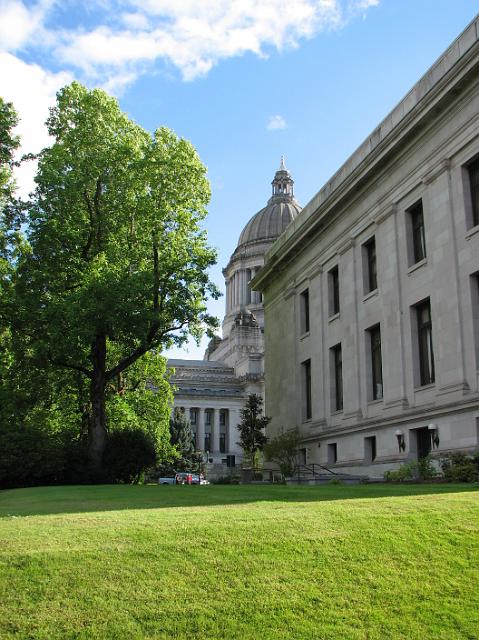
[215, 431]
[235, 289]
[244, 290]
[200, 430]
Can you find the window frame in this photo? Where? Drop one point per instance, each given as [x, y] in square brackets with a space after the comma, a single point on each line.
[337, 366]
[472, 168]
[418, 232]
[304, 311]
[307, 408]
[371, 265]
[375, 348]
[222, 443]
[425, 345]
[334, 299]
[370, 449]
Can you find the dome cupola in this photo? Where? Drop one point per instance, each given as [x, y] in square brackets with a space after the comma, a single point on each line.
[281, 209]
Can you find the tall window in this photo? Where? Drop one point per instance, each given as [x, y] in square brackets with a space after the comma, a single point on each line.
[207, 442]
[222, 417]
[418, 235]
[370, 449]
[304, 310]
[425, 349]
[306, 373]
[376, 363]
[333, 277]
[473, 171]
[193, 415]
[337, 362]
[193, 438]
[222, 442]
[370, 263]
[208, 417]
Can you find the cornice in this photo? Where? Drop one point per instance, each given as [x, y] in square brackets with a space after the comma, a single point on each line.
[442, 166]
[437, 88]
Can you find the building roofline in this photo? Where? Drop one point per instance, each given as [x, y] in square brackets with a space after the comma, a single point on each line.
[446, 72]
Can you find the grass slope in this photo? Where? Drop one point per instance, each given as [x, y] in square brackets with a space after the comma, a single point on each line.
[123, 562]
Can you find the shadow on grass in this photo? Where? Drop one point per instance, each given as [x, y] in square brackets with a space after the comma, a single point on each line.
[83, 499]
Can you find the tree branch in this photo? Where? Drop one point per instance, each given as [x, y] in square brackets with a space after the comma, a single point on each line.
[142, 349]
[69, 365]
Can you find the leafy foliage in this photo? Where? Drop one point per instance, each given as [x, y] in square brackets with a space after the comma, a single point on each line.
[180, 434]
[252, 428]
[459, 467]
[30, 456]
[114, 270]
[9, 143]
[422, 469]
[283, 450]
[128, 453]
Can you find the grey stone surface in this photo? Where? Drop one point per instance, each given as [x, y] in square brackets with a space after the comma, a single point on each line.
[420, 151]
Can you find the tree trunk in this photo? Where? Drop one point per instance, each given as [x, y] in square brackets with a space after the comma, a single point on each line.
[97, 430]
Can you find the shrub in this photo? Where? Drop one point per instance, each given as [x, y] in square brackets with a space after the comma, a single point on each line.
[459, 467]
[422, 469]
[30, 457]
[283, 450]
[128, 453]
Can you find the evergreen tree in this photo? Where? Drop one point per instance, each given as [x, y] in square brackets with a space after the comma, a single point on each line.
[252, 428]
[181, 434]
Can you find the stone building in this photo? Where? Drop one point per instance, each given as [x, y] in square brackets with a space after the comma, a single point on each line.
[372, 293]
[214, 390]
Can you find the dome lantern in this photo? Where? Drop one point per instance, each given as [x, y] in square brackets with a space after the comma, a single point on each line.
[282, 182]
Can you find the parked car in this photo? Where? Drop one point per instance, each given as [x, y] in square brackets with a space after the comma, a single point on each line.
[183, 477]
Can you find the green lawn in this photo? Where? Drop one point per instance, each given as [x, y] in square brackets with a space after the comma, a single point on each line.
[234, 562]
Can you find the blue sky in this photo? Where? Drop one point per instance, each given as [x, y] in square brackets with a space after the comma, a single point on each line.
[244, 80]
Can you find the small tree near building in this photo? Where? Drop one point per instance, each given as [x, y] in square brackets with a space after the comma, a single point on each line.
[252, 428]
[180, 433]
[283, 450]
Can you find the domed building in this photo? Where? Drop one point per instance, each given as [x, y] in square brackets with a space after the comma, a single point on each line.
[213, 391]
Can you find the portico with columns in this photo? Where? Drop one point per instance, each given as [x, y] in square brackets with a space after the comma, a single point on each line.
[213, 391]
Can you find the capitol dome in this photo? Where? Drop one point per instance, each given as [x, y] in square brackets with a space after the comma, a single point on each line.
[282, 208]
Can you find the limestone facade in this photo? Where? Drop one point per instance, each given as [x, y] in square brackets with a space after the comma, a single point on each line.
[372, 293]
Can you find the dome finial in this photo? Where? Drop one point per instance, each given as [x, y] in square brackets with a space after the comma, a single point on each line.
[281, 166]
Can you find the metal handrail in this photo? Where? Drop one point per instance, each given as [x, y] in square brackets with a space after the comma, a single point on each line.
[311, 469]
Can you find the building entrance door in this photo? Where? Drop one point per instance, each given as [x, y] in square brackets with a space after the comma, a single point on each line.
[423, 442]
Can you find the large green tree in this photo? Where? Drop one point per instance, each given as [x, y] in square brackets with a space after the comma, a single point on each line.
[116, 264]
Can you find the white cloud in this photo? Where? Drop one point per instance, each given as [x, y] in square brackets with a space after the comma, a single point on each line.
[32, 91]
[19, 23]
[114, 41]
[126, 37]
[135, 20]
[194, 36]
[276, 122]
